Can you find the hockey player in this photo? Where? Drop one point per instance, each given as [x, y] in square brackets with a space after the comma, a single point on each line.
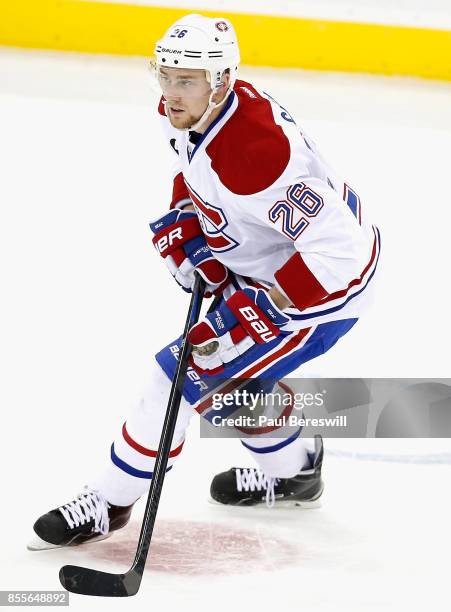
[272, 229]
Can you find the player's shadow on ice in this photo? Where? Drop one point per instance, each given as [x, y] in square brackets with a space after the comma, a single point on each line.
[198, 548]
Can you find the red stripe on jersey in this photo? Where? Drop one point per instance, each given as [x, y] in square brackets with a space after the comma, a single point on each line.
[299, 283]
[146, 451]
[251, 151]
[179, 190]
[355, 282]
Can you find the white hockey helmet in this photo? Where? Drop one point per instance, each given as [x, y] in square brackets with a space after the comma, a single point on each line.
[198, 42]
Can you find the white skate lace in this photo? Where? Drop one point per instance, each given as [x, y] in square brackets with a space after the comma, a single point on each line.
[88, 505]
[251, 479]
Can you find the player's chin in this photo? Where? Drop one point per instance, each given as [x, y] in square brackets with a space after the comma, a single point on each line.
[180, 119]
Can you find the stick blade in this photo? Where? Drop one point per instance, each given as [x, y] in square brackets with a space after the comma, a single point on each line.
[85, 581]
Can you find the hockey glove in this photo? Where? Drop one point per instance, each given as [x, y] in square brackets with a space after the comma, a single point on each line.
[180, 241]
[247, 318]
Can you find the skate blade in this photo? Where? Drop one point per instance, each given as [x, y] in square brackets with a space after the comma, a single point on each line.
[37, 543]
[286, 503]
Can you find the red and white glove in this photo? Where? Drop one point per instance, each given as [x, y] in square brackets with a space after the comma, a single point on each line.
[247, 318]
[180, 241]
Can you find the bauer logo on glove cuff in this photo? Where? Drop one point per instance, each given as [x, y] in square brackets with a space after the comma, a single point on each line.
[167, 241]
[257, 324]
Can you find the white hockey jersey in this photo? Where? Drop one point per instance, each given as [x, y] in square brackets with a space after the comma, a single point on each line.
[274, 212]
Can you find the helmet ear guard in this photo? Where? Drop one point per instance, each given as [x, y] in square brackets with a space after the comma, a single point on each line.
[219, 77]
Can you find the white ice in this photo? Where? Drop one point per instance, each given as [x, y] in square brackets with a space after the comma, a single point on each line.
[85, 303]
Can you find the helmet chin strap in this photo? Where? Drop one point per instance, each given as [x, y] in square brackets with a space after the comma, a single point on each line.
[210, 108]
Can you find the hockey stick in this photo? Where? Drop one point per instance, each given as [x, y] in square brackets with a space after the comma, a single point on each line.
[85, 581]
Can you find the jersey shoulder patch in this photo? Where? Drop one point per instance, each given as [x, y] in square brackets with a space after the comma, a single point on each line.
[251, 151]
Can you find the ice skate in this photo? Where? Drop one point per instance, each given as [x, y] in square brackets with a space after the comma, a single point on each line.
[250, 486]
[88, 518]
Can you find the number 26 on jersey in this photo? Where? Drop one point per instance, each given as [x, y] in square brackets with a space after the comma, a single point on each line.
[301, 204]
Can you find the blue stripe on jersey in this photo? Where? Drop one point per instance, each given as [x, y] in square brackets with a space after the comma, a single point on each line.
[352, 200]
[125, 467]
[274, 447]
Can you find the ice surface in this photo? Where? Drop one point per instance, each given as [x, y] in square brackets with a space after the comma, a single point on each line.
[85, 304]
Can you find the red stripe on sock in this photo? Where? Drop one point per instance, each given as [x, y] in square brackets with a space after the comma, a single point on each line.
[147, 451]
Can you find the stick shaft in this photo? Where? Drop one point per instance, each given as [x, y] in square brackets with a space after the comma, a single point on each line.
[167, 432]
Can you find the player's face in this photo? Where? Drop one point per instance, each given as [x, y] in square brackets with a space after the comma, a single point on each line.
[187, 94]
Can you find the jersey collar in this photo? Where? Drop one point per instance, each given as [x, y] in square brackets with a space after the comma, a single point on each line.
[211, 127]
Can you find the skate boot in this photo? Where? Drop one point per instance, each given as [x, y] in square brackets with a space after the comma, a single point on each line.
[250, 486]
[87, 518]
